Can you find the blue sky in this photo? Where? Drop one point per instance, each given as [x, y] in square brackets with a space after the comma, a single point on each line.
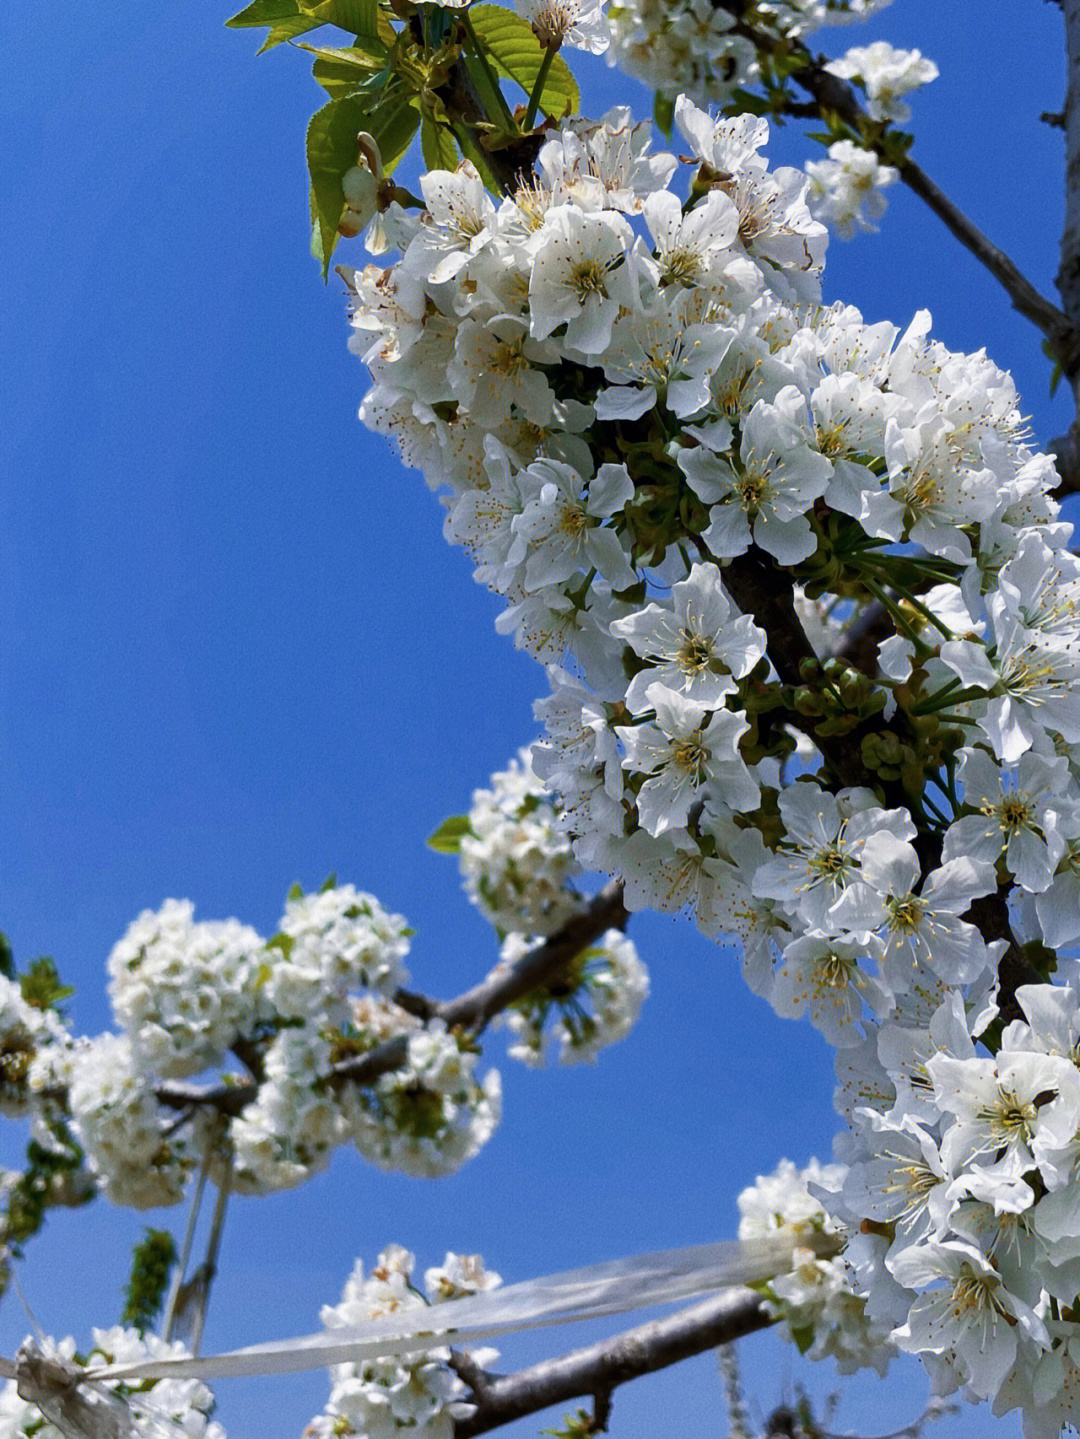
[236, 652]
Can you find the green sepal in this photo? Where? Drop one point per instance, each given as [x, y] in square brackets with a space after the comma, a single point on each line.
[329, 883]
[447, 838]
[514, 50]
[803, 1337]
[296, 891]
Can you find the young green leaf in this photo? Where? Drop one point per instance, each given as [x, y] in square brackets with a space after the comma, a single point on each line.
[151, 1265]
[515, 52]
[447, 838]
[284, 18]
[41, 986]
[438, 144]
[663, 113]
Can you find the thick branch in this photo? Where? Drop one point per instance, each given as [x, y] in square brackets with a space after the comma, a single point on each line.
[600, 1368]
[1068, 276]
[763, 589]
[1066, 452]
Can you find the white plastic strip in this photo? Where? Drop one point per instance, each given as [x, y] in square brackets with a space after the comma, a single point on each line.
[589, 1293]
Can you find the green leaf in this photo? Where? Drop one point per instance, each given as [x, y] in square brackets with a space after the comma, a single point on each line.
[296, 891]
[338, 79]
[663, 109]
[438, 144]
[264, 12]
[7, 959]
[284, 17]
[331, 150]
[329, 883]
[283, 942]
[352, 57]
[359, 17]
[348, 69]
[514, 50]
[152, 1261]
[447, 838]
[41, 986]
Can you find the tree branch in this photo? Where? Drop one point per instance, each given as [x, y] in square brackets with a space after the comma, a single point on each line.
[472, 1010]
[835, 96]
[600, 1368]
[1068, 275]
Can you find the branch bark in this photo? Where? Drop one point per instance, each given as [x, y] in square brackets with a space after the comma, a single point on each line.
[1068, 276]
[597, 1370]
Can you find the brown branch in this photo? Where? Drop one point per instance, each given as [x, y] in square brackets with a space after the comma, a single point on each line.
[1065, 450]
[1068, 275]
[597, 1370]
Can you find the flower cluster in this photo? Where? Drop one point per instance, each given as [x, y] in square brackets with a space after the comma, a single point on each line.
[516, 862]
[157, 1407]
[382, 1397]
[184, 991]
[596, 1002]
[846, 189]
[430, 1116]
[32, 1040]
[886, 74]
[666, 454]
[960, 1187]
[293, 1012]
[700, 49]
[815, 1303]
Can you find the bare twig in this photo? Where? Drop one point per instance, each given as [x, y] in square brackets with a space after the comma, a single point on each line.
[208, 1269]
[600, 1368]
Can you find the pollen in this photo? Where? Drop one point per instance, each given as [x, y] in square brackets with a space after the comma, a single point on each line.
[588, 278]
[695, 653]
[690, 755]
[905, 914]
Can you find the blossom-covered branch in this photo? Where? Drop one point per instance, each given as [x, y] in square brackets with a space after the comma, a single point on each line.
[834, 95]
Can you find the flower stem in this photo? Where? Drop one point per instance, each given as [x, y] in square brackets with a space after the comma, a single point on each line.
[538, 87]
[489, 74]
